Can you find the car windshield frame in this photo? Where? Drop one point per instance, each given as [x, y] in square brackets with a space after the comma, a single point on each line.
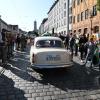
[50, 43]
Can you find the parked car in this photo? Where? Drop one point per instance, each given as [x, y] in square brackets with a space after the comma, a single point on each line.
[49, 52]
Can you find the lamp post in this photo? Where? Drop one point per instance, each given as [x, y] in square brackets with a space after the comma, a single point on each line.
[91, 25]
[91, 17]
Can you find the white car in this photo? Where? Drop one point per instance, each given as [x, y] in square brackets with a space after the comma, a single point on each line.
[49, 52]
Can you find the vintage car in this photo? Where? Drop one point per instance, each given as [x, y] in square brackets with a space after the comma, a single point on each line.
[49, 52]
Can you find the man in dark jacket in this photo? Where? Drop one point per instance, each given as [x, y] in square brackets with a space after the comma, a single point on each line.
[18, 40]
[82, 42]
[3, 52]
[67, 41]
[71, 44]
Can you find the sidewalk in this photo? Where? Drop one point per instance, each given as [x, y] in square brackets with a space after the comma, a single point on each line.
[77, 59]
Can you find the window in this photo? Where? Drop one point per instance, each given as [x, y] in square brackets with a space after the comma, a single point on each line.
[74, 3]
[85, 30]
[64, 13]
[82, 16]
[86, 14]
[78, 2]
[49, 44]
[96, 29]
[61, 23]
[70, 10]
[64, 5]
[64, 21]
[78, 17]
[73, 19]
[70, 19]
[94, 11]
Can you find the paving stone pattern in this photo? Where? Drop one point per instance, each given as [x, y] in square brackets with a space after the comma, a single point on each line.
[21, 82]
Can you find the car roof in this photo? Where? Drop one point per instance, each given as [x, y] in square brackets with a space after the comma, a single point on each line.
[47, 38]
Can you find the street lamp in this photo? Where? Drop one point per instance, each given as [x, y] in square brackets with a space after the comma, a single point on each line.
[91, 17]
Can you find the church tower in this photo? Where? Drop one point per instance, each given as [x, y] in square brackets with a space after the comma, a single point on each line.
[35, 26]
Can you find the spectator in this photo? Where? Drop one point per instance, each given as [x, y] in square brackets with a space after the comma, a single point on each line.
[67, 41]
[3, 52]
[18, 40]
[23, 42]
[81, 47]
[76, 44]
[71, 44]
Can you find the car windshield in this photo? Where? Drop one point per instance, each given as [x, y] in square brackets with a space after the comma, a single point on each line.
[49, 44]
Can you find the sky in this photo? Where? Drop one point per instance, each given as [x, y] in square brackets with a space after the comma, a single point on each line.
[24, 12]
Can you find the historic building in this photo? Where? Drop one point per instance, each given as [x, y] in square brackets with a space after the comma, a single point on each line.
[57, 17]
[86, 18]
[44, 26]
[3, 25]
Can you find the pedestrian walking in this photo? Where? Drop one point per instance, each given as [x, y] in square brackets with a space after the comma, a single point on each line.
[23, 42]
[76, 45]
[3, 49]
[18, 40]
[9, 44]
[91, 49]
[67, 41]
[82, 41]
[93, 55]
[71, 44]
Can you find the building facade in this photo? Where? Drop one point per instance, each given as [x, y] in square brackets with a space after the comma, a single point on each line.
[14, 29]
[57, 17]
[86, 18]
[44, 26]
[3, 25]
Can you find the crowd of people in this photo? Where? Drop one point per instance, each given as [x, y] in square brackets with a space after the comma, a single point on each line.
[9, 42]
[80, 45]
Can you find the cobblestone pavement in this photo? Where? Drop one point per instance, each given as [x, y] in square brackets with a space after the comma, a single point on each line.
[20, 82]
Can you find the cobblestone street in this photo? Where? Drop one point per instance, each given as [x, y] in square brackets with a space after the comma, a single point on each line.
[20, 82]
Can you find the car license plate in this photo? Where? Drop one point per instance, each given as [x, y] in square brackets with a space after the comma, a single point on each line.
[53, 58]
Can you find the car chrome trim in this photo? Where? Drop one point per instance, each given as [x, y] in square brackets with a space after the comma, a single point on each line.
[52, 66]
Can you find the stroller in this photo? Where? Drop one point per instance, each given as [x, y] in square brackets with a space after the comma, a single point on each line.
[93, 60]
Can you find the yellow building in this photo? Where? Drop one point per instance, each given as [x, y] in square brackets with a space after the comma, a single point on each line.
[86, 18]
